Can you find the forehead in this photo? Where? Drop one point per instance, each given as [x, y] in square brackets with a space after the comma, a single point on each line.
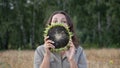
[59, 16]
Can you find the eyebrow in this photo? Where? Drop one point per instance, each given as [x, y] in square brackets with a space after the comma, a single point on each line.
[61, 19]
[64, 19]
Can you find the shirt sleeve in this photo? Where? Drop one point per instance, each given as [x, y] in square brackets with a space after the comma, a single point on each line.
[38, 57]
[82, 62]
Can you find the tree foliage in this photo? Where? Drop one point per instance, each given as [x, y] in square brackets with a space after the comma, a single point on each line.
[22, 22]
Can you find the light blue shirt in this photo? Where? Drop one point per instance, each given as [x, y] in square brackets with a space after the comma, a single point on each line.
[56, 61]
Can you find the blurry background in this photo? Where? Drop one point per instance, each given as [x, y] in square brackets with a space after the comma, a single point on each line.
[97, 24]
[22, 22]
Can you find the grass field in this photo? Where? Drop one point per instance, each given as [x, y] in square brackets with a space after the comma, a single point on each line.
[96, 58]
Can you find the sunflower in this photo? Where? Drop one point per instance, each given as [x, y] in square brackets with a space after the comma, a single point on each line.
[60, 34]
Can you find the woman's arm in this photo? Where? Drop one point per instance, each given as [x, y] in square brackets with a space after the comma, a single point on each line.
[82, 62]
[41, 58]
[46, 60]
[45, 63]
[73, 64]
[70, 56]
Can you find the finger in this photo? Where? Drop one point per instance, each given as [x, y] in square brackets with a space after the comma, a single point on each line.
[50, 46]
[46, 38]
[71, 43]
[70, 39]
[50, 41]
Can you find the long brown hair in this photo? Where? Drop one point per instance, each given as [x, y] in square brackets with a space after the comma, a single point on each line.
[70, 24]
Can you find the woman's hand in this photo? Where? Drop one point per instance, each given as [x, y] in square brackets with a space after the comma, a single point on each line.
[70, 55]
[71, 52]
[48, 45]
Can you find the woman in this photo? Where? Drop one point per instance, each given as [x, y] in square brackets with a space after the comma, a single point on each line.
[72, 58]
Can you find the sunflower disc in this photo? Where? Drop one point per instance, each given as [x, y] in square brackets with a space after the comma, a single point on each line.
[60, 34]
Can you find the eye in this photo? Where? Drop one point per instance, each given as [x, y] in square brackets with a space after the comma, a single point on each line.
[64, 21]
[55, 21]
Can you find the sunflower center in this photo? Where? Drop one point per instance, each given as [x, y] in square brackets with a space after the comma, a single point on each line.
[59, 36]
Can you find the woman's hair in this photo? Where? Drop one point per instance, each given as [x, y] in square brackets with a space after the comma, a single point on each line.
[70, 24]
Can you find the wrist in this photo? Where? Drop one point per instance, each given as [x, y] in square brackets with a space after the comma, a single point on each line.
[46, 55]
[73, 63]
[71, 60]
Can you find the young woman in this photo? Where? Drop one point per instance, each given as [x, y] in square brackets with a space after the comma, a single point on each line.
[72, 58]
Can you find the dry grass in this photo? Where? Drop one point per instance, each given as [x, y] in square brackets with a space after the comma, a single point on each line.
[102, 58]
[16, 59]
